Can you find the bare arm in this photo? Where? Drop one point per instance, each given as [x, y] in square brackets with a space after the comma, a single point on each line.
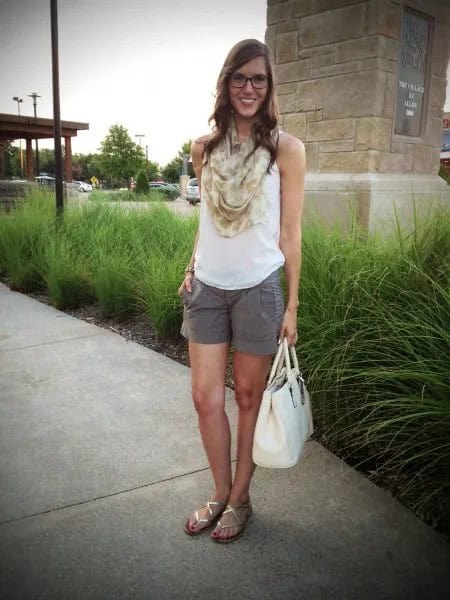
[292, 166]
[197, 163]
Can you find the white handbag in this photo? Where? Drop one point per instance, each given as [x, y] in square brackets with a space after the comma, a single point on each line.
[285, 419]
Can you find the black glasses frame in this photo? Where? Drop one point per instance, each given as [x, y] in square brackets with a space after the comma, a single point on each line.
[251, 82]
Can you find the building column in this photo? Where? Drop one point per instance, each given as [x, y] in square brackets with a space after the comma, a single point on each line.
[363, 85]
[29, 160]
[68, 158]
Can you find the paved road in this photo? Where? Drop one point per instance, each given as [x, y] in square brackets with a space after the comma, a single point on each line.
[101, 461]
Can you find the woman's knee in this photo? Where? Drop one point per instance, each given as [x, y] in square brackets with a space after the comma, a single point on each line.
[208, 402]
[248, 397]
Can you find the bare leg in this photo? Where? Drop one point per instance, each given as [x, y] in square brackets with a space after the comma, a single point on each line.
[250, 374]
[208, 366]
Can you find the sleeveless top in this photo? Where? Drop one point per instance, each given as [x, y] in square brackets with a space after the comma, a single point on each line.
[249, 257]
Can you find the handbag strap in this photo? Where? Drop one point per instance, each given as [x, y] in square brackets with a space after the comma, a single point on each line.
[282, 359]
[295, 359]
[287, 359]
[277, 365]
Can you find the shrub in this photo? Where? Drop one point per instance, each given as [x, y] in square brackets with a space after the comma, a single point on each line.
[169, 193]
[141, 182]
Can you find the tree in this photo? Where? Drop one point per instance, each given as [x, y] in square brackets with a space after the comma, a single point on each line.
[46, 161]
[173, 170]
[120, 158]
[153, 170]
[12, 160]
[84, 166]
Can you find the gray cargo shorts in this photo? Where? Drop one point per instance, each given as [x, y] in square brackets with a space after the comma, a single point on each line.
[250, 319]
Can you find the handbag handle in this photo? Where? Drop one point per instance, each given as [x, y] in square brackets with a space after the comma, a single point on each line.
[277, 364]
[282, 358]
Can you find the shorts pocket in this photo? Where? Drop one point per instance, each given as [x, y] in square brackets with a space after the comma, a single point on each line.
[279, 304]
[271, 296]
[267, 296]
[185, 295]
[258, 313]
[190, 297]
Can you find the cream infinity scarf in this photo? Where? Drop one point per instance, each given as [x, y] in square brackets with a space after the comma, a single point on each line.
[234, 187]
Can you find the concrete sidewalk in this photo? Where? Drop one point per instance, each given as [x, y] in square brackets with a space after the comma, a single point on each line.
[101, 462]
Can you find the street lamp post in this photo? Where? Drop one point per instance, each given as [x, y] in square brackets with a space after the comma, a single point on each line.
[140, 136]
[56, 111]
[34, 96]
[19, 100]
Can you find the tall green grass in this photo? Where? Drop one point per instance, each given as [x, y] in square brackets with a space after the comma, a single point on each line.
[374, 321]
[152, 195]
[127, 261]
[374, 327]
[23, 235]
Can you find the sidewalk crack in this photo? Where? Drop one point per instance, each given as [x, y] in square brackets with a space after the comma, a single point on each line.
[105, 496]
[49, 343]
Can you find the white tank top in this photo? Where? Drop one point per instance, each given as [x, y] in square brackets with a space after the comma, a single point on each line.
[247, 258]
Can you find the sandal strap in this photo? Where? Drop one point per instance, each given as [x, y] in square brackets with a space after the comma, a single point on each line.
[208, 505]
[213, 503]
[241, 521]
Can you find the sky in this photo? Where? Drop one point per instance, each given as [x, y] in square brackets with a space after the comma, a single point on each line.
[149, 65]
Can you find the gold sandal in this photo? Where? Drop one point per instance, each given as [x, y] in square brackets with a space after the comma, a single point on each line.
[239, 524]
[213, 515]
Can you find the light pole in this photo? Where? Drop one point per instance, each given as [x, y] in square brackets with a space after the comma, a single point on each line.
[34, 96]
[59, 192]
[140, 136]
[19, 100]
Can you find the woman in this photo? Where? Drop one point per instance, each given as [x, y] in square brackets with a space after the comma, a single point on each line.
[252, 179]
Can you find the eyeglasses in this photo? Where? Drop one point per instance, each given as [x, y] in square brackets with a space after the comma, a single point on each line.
[259, 82]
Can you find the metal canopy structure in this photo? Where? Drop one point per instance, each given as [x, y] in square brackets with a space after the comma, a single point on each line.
[14, 127]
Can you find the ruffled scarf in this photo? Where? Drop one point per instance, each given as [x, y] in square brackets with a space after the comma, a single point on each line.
[233, 186]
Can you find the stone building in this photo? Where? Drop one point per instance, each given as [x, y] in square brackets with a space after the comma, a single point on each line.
[362, 83]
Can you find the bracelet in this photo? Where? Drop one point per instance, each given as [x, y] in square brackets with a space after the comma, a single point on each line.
[189, 269]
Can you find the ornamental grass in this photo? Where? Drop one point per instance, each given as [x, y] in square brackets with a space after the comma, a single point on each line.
[374, 321]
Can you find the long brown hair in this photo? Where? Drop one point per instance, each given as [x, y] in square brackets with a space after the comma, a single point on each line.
[262, 129]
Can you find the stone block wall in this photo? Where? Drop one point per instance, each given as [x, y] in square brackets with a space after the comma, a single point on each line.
[336, 64]
[12, 192]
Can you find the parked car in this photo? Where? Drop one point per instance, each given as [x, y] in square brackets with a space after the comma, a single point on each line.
[192, 191]
[174, 186]
[157, 184]
[83, 186]
[445, 150]
[44, 180]
[168, 190]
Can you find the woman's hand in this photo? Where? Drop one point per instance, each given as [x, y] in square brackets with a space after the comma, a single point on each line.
[186, 285]
[289, 327]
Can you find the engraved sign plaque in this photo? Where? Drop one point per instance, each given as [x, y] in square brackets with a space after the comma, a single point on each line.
[411, 74]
